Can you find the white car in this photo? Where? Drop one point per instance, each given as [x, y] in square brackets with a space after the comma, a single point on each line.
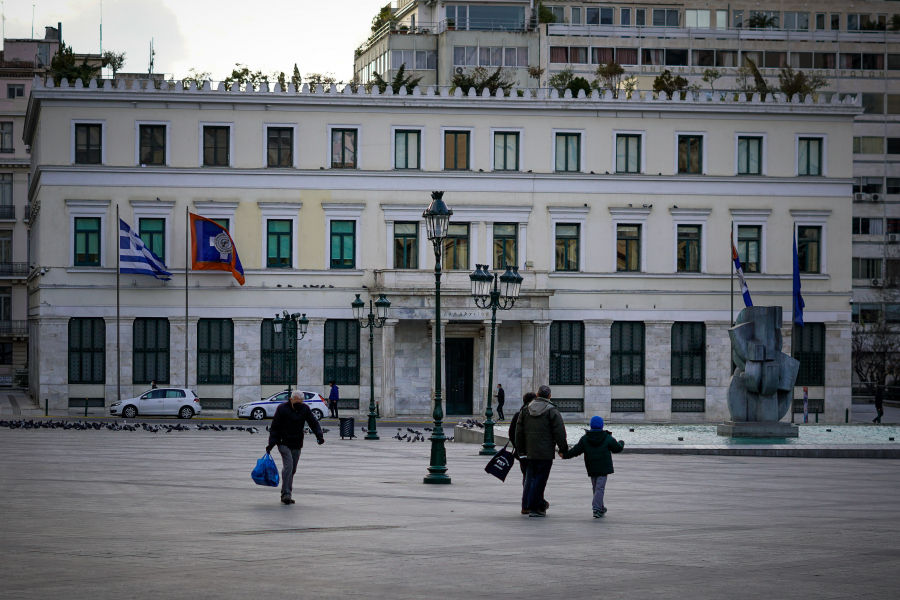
[265, 409]
[170, 402]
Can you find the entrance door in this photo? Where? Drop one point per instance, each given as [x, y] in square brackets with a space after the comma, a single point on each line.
[459, 363]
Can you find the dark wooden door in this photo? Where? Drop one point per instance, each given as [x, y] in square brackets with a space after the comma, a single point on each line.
[459, 367]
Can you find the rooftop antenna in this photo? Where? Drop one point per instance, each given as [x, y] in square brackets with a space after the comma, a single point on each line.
[32, 21]
[3, 17]
[152, 54]
[101, 27]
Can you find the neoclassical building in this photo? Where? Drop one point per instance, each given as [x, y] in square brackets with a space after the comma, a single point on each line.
[618, 213]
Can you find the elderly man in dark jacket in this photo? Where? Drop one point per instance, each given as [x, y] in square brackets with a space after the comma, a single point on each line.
[539, 431]
[286, 432]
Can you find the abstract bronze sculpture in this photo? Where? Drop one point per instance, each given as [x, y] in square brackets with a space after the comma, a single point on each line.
[762, 385]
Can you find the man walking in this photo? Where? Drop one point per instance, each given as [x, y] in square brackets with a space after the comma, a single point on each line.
[539, 428]
[333, 398]
[501, 398]
[286, 432]
[523, 462]
[879, 404]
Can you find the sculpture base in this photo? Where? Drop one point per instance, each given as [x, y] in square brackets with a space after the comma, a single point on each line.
[748, 429]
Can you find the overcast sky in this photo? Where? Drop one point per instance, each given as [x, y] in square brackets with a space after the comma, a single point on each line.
[208, 35]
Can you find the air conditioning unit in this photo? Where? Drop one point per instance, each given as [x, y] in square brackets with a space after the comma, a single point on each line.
[859, 197]
[893, 238]
[876, 283]
[877, 198]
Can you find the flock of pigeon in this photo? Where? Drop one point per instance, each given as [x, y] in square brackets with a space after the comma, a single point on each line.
[412, 435]
[471, 424]
[115, 426]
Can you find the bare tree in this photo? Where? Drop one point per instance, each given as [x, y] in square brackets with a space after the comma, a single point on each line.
[876, 353]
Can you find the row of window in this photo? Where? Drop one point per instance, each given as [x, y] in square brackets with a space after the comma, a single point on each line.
[457, 149]
[868, 144]
[877, 185]
[488, 56]
[15, 90]
[215, 352]
[875, 225]
[688, 355]
[682, 57]
[873, 313]
[455, 255]
[705, 18]
[278, 358]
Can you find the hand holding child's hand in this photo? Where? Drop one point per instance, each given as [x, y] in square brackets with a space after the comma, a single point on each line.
[560, 454]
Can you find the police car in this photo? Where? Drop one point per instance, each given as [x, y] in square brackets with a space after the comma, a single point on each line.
[265, 409]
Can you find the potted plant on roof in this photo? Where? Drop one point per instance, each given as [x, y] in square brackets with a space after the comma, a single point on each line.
[404, 29]
[451, 25]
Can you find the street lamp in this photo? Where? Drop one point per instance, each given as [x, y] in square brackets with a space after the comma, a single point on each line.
[437, 221]
[302, 326]
[502, 297]
[371, 321]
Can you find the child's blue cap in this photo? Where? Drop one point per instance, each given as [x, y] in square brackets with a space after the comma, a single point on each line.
[597, 422]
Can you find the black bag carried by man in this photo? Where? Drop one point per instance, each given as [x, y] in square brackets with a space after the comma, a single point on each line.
[501, 463]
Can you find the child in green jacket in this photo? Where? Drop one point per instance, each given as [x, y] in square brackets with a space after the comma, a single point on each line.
[597, 446]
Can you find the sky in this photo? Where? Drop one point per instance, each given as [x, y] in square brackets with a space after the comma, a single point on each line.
[267, 35]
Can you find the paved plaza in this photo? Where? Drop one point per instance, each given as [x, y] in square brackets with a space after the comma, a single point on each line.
[100, 514]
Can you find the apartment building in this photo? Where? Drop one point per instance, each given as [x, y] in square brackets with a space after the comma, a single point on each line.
[618, 214]
[20, 61]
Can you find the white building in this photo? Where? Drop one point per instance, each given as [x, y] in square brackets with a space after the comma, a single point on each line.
[618, 214]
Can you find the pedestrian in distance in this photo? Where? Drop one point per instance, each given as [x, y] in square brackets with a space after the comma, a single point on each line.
[598, 446]
[286, 432]
[501, 399]
[523, 462]
[152, 385]
[539, 429]
[879, 404]
[333, 398]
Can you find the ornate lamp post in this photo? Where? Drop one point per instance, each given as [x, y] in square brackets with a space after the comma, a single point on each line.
[502, 297]
[437, 220]
[302, 325]
[371, 322]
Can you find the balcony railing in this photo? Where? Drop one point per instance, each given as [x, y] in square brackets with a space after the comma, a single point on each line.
[15, 328]
[7, 211]
[14, 269]
[26, 214]
[730, 33]
[469, 24]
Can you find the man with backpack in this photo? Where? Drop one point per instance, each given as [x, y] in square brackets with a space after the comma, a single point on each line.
[539, 432]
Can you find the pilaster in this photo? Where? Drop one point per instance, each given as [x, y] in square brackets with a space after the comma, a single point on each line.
[838, 370]
[718, 370]
[310, 358]
[597, 393]
[126, 331]
[541, 370]
[177, 352]
[247, 352]
[658, 370]
[388, 368]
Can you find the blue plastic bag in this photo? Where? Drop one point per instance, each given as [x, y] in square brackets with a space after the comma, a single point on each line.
[265, 472]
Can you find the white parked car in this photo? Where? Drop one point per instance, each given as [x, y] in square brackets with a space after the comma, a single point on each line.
[265, 409]
[170, 402]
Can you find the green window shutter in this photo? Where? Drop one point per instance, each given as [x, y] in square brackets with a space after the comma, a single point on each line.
[153, 234]
[342, 352]
[278, 356]
[343, 244]
[808, 345]
[688, 354]
[567, 353]
[87, 351]
[87, 242]
[279, 243]
[151, 350]
[627, 353]
[215, 351]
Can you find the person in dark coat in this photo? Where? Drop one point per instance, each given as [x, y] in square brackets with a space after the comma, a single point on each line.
[333, 398]
[539, 431]
[598, 446]
[501, 399]
[523, 462]
[286, 432]
[879, 404]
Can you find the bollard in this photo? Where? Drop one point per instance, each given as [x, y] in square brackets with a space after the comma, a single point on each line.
[86, 405]
[377, 410]
[817, 414]
[46, 407]
[846, 415]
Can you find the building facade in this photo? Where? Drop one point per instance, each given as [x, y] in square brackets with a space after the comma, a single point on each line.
[851, 45]
[618, 214]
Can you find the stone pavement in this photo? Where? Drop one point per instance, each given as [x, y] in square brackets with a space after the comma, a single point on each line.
[99, 514]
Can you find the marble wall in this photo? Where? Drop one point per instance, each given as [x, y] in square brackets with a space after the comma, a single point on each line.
[412, 368]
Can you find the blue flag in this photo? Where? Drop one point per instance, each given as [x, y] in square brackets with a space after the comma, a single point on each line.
[136, 258]
[745, 291]
[798, 299]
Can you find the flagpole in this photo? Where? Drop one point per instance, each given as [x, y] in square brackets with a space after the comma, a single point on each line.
[732, 275]
[187, 265]
[118, 329]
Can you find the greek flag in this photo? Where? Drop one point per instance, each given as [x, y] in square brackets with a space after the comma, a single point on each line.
[135, 258]
[740, 274]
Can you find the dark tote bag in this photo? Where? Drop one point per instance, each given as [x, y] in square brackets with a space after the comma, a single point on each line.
[500, 464]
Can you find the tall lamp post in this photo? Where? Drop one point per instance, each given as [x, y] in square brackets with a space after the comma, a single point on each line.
[302, 325]
[502, 297]
[437, 221]
[371, 322]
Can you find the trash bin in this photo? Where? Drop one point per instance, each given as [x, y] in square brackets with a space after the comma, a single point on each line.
[346, 427]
